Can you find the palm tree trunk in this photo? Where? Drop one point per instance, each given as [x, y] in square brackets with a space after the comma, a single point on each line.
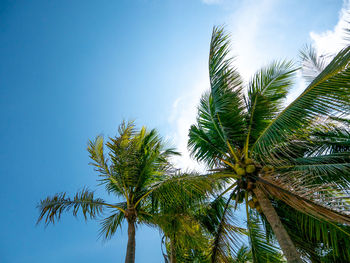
[282, 236]
[172, 250]
[130, 252]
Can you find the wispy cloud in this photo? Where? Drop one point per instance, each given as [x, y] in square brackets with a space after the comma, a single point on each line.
[183, 116]
[326, 43]
[248, 24]
[331, 41]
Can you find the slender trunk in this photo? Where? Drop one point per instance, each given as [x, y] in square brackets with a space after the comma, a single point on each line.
[282, 236]
[130, 252]
[173, 250]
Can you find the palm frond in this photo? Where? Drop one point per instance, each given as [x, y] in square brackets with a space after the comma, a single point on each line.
[221, 118]
[52, 208]
[226, 86]
[243, 255]
[262, 250]
[110, 224]
[220, 221]
[327, 136]
[181, 188]
[313, 237]
[312, 63]
[96, 151]
[114, 184]
[325, 202]
[266, 94]
[327, 95]
[324, 169]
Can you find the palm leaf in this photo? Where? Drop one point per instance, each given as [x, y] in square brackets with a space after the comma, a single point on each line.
[52, 208]
[266, 94]
[110, 224]
[312, 64]
[221, 116]
[327, 95]
[219, 220]
[313, 237]
[312, 199]
[262, 249]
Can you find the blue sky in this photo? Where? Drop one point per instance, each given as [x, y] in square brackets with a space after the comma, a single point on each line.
[71, 70]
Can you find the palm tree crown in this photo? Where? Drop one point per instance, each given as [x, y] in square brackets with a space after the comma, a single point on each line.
[273, 154]
[136, 167]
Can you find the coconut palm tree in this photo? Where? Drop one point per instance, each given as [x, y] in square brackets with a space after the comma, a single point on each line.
[136, 168]
[276, 152]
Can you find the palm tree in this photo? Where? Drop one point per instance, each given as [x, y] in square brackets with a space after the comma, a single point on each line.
[136, 168]
[272, 152]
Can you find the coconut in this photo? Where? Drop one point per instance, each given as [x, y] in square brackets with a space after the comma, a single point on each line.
[240, 172]
[250, 168]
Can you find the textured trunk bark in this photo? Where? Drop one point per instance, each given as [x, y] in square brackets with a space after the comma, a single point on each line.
[172, 251]
[130, 252]
[282, 236]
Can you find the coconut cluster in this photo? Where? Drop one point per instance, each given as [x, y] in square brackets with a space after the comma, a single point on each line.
[246, 172]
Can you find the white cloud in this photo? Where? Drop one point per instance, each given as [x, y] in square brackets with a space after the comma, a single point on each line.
[326, 43]
[183, 116]
[247, 24]
[331, 41]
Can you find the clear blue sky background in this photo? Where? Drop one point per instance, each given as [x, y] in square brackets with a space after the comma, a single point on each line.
[70, 70]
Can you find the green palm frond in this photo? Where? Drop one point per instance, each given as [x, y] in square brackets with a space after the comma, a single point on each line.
[332, 136]
[266, 94]
[327, 95]
[96, 151]
[243, 255]
[221, 108]
[109, 225]
[217, 217]
[52, 208]
[324, 169]
[262, 250]
[312, 235]
[175, 204]
[182, 188]
[113, 183]
[205, 146]
[226, 88]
